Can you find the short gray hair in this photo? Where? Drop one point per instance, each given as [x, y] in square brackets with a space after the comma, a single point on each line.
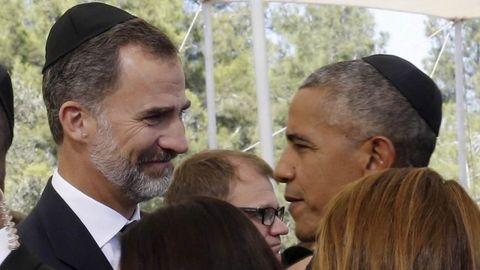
[363, 104]
[91, 71]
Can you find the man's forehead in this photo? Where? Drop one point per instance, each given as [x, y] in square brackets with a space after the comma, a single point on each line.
[308, 111]
[252, 193]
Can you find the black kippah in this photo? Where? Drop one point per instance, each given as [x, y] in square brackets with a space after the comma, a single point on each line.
[6, 98]
[417, 87]
[79, 24]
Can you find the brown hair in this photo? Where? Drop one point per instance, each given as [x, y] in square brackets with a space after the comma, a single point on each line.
[400, 219]
[197, 233]
[90, 72]
[210, 173]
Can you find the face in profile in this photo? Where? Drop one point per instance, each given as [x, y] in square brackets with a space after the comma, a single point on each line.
[254, 190]
[141, 129]
[318, 161]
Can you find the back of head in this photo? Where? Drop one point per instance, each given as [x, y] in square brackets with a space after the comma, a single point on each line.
[211, 173]
[82, 56]
[366, 99]
[400, 219]
[197, 233]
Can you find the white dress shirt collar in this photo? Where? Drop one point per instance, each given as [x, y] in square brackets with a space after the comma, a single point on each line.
[101, 221]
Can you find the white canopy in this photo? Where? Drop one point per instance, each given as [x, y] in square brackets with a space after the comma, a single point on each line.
[449, 9]
[458, 9]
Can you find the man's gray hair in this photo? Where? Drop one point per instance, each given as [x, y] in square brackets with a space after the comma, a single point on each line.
[363, 104]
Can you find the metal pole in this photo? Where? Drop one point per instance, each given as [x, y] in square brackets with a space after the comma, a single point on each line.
[460, 107]
[261, 78]
[209, 79]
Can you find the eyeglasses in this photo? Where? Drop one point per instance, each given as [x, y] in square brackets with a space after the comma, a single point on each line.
[267, 214]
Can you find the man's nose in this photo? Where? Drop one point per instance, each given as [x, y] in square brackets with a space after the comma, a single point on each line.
[278, 227]
[284, 172]
[174, 138]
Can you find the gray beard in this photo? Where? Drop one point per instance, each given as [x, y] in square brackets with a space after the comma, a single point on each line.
[134, 183]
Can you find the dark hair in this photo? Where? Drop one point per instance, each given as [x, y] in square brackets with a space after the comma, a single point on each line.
[400, 219]
[90, 72]
[197, 233]
[362, 103]
[5, 134]
[210, 173]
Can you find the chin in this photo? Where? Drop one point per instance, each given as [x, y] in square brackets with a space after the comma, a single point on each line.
[305, 235]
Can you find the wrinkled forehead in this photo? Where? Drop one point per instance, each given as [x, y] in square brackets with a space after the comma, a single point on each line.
[313, 105]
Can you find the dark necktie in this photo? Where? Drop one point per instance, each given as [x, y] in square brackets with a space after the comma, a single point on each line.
[127, 226]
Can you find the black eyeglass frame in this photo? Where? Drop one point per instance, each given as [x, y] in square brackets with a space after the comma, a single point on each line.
[263, 211]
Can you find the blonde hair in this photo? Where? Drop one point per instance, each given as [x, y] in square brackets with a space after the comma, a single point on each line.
[400, 219]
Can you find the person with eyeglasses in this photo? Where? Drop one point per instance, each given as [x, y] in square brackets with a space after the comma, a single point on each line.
[241, 179]
[267, 215]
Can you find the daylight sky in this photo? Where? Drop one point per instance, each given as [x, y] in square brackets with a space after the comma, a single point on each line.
[407, 34]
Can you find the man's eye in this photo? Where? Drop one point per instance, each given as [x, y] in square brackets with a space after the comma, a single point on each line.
[154, 119]
[300, 146]
[256, 216]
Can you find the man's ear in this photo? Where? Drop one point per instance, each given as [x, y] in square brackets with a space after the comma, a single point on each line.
[75, 120]
[381, 154]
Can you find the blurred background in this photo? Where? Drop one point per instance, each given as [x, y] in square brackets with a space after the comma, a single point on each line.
[300, 38]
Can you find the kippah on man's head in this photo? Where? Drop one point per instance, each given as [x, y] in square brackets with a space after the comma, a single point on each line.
[417, 87]
[78, 25]
[6, 98]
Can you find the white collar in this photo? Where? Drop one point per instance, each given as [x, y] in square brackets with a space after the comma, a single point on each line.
[101, 221]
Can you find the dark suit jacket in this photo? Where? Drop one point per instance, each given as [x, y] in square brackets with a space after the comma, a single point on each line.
[22, 259]
[56, 235]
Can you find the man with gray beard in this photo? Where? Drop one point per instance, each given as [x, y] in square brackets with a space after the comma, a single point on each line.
[114, 90]
[129, 178]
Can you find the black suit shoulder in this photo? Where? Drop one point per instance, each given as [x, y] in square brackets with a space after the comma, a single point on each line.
[54, 233]
[22, 259]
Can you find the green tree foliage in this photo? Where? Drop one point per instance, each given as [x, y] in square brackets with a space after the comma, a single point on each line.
[445, 157]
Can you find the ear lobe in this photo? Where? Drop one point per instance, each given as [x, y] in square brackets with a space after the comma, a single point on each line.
[74, 118]
[382, 154]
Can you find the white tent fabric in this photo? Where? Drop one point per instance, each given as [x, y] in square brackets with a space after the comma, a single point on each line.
[459, 9]
[450, 9]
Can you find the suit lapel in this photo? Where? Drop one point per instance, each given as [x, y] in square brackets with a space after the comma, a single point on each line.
[71, 241]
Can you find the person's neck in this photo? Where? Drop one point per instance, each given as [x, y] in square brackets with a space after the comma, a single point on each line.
[78, 170]
[308, 245]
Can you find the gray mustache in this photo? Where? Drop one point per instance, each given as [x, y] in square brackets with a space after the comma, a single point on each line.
[158, 156]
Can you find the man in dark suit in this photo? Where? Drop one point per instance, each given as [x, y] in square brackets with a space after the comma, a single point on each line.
[12, 254]
[350, 119]
[114, 89]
